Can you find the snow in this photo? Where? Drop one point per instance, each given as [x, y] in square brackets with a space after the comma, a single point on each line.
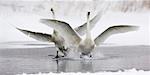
[126, 72]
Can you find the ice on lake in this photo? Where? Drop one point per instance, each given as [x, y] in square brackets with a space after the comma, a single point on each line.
[32, 57]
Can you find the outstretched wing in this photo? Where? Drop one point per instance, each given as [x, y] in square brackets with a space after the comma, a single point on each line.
[114, 30]
[64, 30]
[82, 29]
[38, 36]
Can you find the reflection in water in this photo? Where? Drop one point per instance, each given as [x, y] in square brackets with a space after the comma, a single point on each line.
[61, 66]
[112, 64]
[86, 66]
[57, 65]
[74, 66]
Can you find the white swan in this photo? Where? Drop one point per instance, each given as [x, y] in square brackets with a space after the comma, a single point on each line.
[55, 37]
[85, 46]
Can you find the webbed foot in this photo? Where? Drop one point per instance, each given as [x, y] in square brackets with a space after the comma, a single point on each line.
[57, 56]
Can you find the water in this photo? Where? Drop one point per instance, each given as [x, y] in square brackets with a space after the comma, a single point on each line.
[27, 57]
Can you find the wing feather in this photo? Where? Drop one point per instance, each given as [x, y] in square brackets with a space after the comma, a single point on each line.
[64, 30]
[82, 29]
[114, 30]
[38, 36]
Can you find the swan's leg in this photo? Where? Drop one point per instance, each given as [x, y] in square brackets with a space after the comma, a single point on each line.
[57, 56]
[63, 50]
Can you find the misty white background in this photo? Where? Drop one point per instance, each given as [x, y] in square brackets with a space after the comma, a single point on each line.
[26, 15]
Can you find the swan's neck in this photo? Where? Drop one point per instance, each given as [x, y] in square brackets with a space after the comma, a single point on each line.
[88, 33]
[53, 16]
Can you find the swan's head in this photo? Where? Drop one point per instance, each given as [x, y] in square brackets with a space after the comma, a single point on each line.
[52, 10]
[88, 15]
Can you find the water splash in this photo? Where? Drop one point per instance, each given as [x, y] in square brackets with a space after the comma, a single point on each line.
[75, 55]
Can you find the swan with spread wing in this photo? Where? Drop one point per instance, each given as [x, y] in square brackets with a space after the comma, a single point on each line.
[56, 38]
[85, 46]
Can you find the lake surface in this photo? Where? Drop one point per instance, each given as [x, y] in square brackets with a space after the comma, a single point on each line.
[27, 57]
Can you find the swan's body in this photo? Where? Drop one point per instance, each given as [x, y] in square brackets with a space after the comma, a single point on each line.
[57, 39]
[85, 46]
[59, 43]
